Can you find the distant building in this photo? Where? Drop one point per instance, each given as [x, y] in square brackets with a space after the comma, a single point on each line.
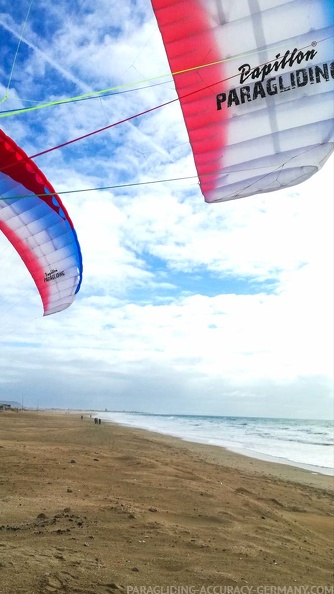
[4, 406]
[9, 405]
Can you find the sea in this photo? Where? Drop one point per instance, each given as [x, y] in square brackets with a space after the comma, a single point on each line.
[307, 444]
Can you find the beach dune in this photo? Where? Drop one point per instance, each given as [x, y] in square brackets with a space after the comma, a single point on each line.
[96, 509]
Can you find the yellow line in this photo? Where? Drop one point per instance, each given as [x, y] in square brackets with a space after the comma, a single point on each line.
[133, 84]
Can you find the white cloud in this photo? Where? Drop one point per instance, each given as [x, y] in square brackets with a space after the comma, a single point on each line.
[222, 308]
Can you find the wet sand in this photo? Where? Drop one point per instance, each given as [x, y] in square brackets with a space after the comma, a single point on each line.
[96, 509]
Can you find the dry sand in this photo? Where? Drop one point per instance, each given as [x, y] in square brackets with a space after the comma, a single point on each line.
[96, 509]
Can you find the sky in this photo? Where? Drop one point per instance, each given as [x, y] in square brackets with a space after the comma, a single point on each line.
[185, 307]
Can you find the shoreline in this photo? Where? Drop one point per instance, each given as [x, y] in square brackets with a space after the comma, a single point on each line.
[224, 455]
[102, 508]
[321, 470]
[238, 460]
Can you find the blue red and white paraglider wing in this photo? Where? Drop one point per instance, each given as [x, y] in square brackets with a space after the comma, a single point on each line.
[255, 80]
[35, 221]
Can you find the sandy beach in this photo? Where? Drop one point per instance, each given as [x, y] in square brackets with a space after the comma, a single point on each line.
[96, 509]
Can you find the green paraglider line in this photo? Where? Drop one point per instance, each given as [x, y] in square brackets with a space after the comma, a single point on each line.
[112, 90]
[132, 117]
[128, 119]
[97, 95]
[113, 187]
[105, 92]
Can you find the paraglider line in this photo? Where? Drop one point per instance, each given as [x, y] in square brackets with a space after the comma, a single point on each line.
[132, 117]
[16, 53]
[109, 91]
[77, 99]
[145, 183]
[128, 119]
[113, 187]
